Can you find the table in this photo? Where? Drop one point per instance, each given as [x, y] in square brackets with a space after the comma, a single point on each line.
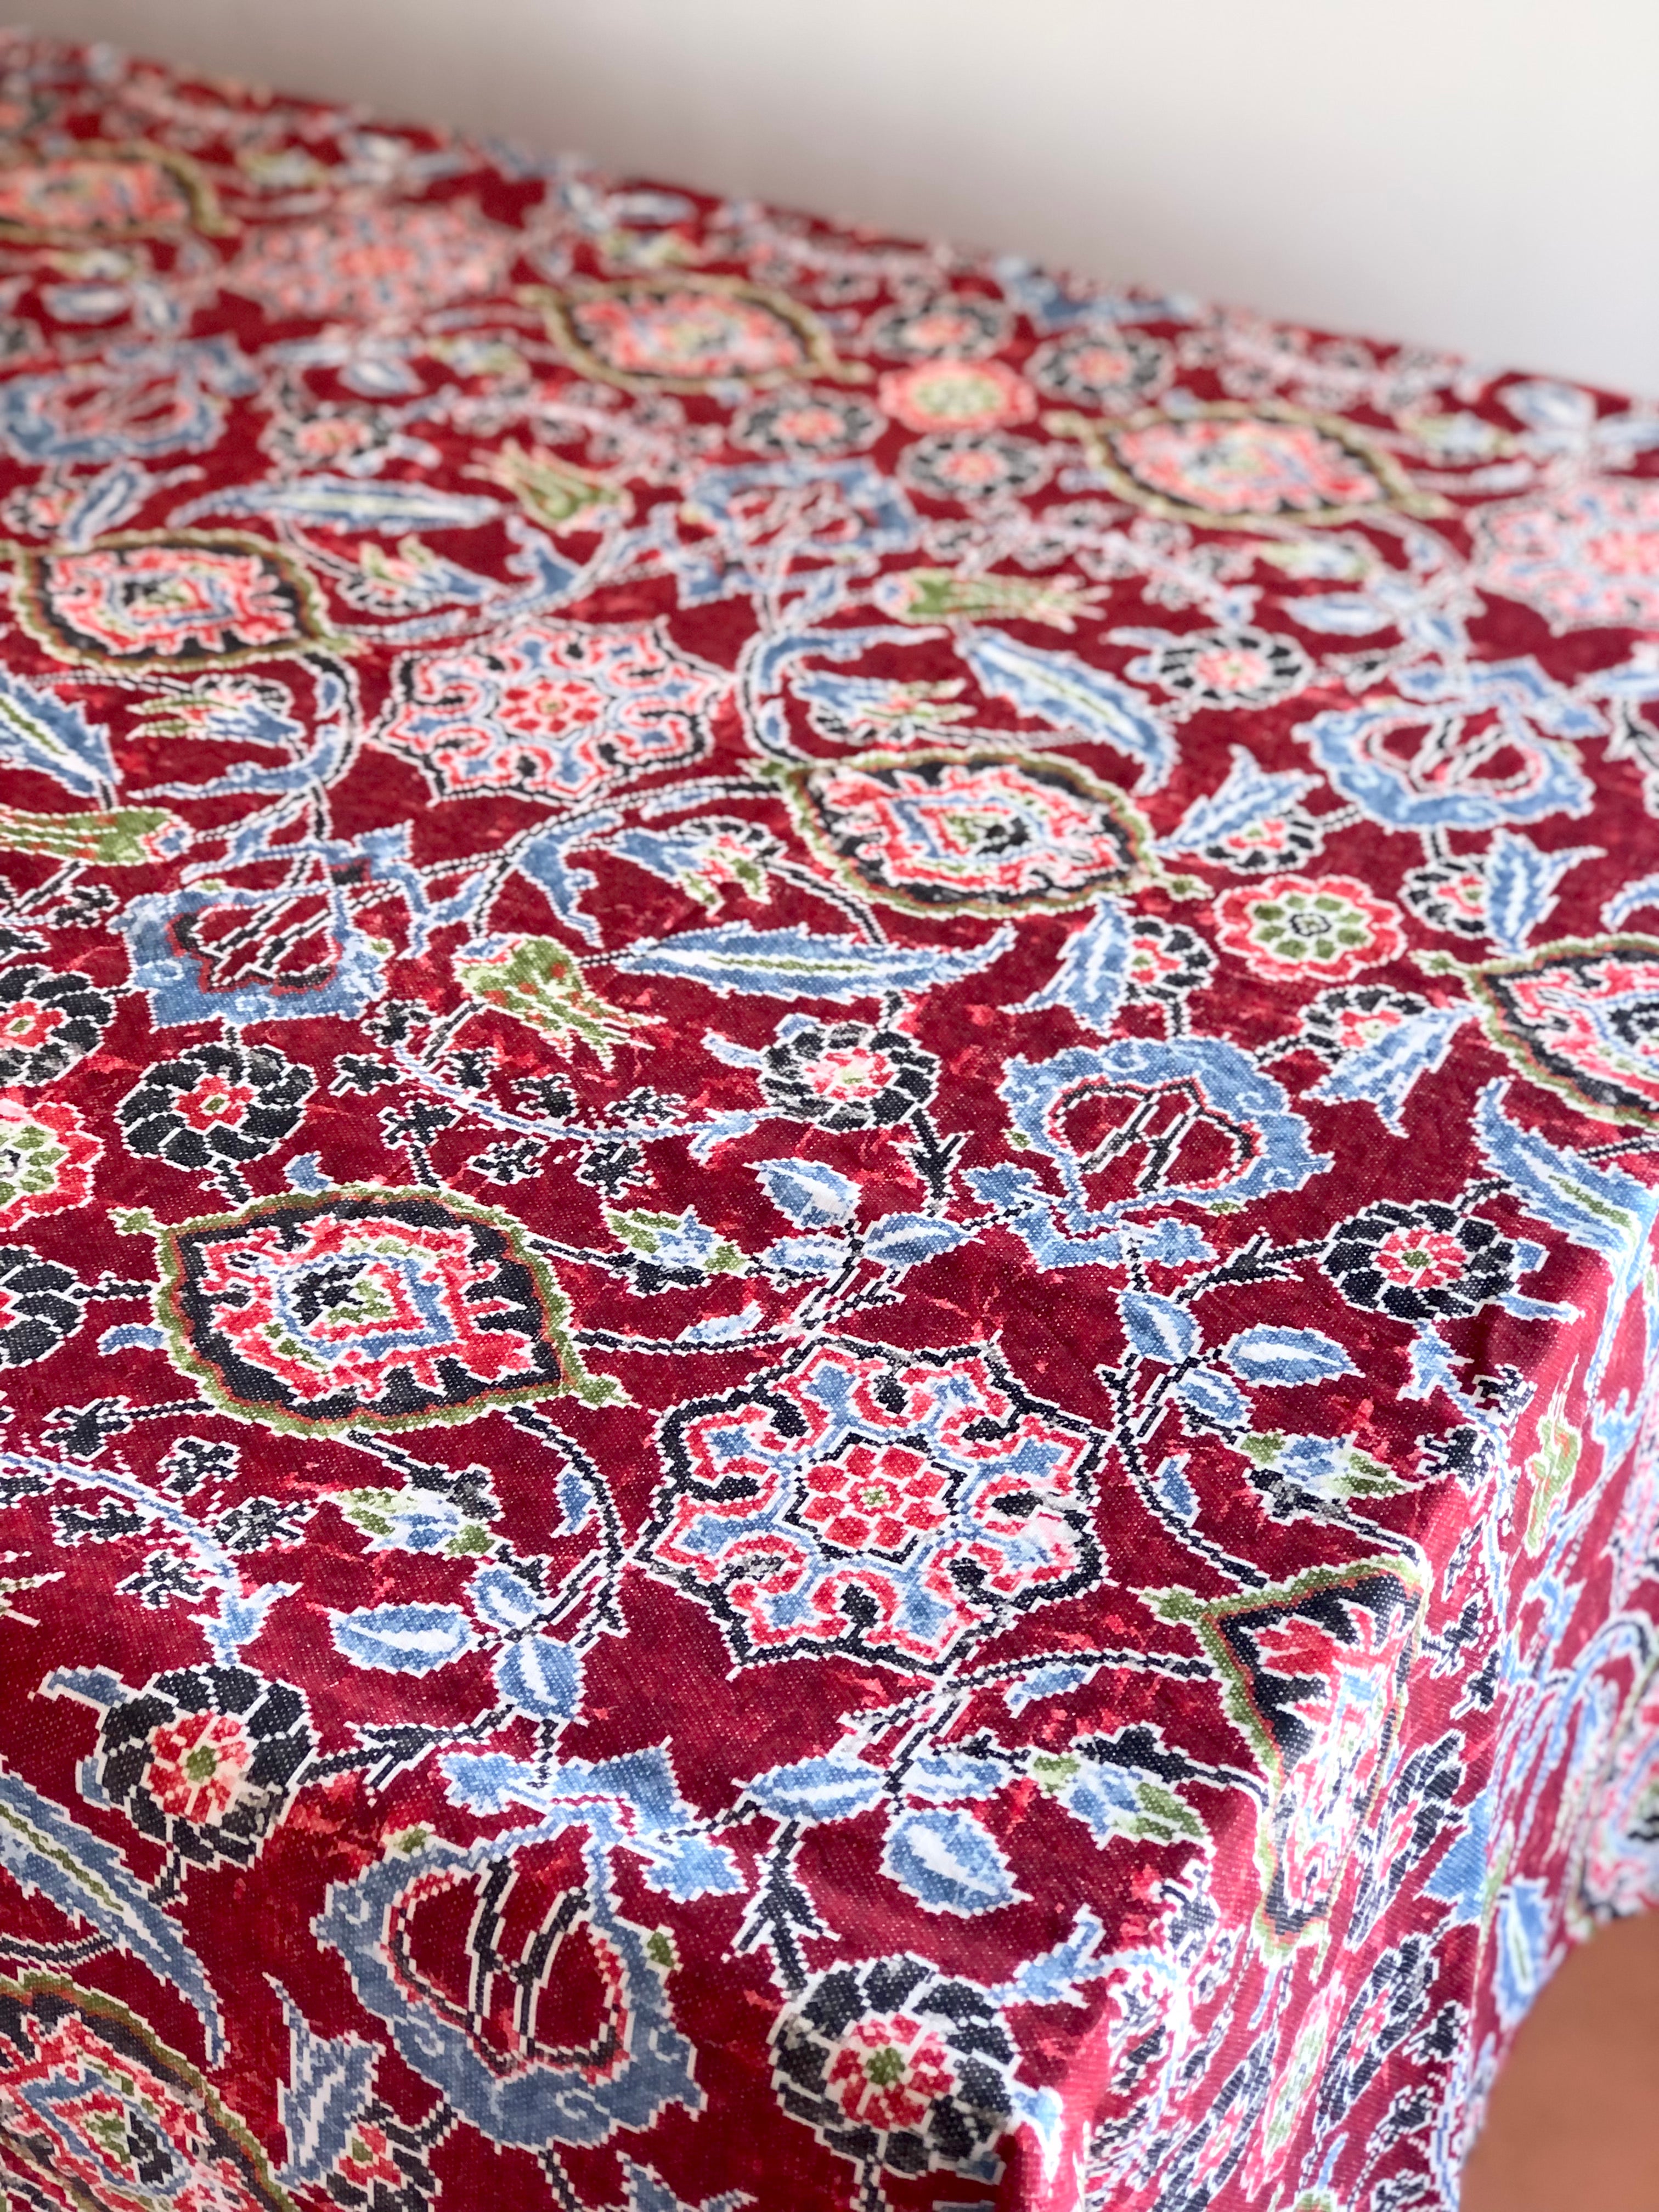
[830, 1080]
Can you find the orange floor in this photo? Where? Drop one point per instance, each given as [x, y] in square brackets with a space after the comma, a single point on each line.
[1574, 2122]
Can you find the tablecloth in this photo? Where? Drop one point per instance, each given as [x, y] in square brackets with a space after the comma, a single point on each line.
[829, 1081]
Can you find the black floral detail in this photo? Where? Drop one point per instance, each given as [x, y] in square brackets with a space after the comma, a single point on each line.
[40, 1306]
[468, 1067]
[1166, 960]
[962, 324]
[82, 1431]
[48, 1022]
[359, 1075]
[1448, 895]
[973, 464]
[205, 1760]
[1113, 369]
[1228, 667]
[788, 422]
[384, 2166]
[397, 1021]
[258, 1522]
[1424, 1262]
[612, 1166]
[193, 1460]
[544, 1095]
[216, 1104]
[1346, 1020]
[847, 1075]
[105, 1523]
[510, 1159]
[893, 2062]
[164, 1579]
[418, 1122]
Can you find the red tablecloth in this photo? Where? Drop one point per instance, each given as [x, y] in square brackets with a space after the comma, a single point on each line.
[829, 1087]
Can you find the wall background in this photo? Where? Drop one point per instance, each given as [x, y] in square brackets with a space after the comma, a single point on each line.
[1480, 174]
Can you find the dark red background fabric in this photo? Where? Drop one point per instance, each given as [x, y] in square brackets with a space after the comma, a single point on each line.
[826, 1201]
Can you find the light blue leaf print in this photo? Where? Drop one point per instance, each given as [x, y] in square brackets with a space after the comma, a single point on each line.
[502, 1599]
[830, 1789]
[542, 1677]
[40, 732]
[351, 503]
[804, 1255]
[899, 1241]
[1089, 979]
[1521, 885]
[1158, 1328]
[945, 1778]
[1209, 1393]
[722, 1328]
[1057, 1977]
[1056, 1680]
[1619, 909]
[1286, 1356]
[1249, 795]
[1068, 693]
[403, 1639]
[51, 1855]
[1342, 614]
[812, 1196]
[801, 964]
[646, 2192]
[1381, 1073]
[329, 2082]
[688, 1867]
[1169, 1485]
[948, 1863]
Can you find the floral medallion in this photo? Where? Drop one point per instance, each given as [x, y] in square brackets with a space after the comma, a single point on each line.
[1422, 1262]
[97, 2116]
[204, 1760]
[362, 1308]
[374, 263]
[41, 1306]
[214, 1103]
[684, 333]
[1356, 1018]
[957, 395]
[1115, 371]
[46, 1158]
[1313, 1672]
[48, 1022]
[893, 2063]
[973, 464]
[1582, 1018]
[846, 1075]
[964, 324]
[1231, 464]
[1586, 557]
[977, 833]
[881, 1504]
[98, 193]
[1297, 928]
[184, 600]
[551, 711]
[1226, 668]
[807, 422]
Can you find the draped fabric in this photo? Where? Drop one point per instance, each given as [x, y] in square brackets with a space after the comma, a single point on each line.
[829, 1081]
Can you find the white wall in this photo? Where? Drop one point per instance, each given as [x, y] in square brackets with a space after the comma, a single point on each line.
[1482, 175]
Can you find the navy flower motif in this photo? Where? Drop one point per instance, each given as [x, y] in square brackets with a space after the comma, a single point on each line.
[1423, 1262]
[847, 1075]
[205, 1760]
[48, 1023]
[216, 1102]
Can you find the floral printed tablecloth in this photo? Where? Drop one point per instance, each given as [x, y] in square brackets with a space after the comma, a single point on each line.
[830, 1081]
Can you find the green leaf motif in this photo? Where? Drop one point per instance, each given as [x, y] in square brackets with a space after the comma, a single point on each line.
[539, 983]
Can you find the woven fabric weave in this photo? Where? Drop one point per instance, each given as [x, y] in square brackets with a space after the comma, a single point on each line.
[829, 1081]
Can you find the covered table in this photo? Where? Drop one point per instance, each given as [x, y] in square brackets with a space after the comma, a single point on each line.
[829, 1169]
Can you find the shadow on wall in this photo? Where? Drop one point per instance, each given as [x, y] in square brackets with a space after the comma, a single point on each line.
[1480, 174]
[1574, 2124]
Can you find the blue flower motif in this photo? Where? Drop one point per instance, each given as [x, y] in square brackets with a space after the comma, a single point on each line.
[1145, 1121]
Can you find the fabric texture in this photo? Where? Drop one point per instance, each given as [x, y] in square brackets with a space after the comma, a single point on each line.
[828, 1185]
